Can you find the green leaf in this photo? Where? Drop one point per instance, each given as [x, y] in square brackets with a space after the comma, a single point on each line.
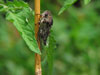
[50, 52]
[48, 55]
[66, 5]
[23, 19]
[3, 8]
[86, 1]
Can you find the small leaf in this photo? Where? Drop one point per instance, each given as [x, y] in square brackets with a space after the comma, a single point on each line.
[86, 1]
[66, 5]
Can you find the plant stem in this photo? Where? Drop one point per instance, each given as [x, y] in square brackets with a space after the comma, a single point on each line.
[38, 70]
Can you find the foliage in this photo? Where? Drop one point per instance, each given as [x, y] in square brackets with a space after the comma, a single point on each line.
[50, 49]
[22, 17]
[77, 34]
[86, 1]
[67, 4]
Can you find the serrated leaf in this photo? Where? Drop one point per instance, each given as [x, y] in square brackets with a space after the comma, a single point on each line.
[66, 5]
[86, 1]
[23, 19]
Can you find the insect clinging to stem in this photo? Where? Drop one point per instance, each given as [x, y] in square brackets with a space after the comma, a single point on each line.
[45, 24]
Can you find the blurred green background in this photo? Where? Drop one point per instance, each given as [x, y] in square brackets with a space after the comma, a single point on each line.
[77, 34]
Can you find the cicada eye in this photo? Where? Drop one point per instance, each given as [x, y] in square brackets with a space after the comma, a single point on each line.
[46, 15]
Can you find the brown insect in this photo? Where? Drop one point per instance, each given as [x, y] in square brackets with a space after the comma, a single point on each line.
[45, 24]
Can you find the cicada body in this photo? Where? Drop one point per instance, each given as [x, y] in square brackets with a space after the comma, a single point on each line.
[45, 24]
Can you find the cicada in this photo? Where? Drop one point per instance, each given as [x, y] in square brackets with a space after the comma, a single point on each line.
[45, 24]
